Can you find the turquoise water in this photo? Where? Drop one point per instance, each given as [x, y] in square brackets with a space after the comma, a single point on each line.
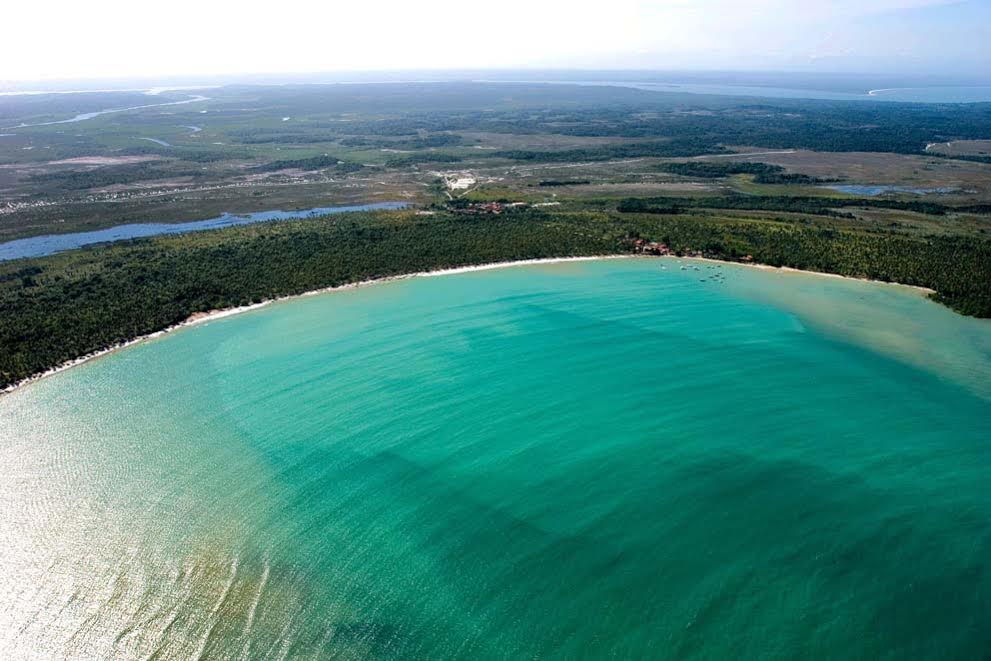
[616, 458]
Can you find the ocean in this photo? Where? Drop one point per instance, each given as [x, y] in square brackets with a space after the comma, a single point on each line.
[632, 458]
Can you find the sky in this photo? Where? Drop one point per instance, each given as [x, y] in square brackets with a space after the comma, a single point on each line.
[64, 39]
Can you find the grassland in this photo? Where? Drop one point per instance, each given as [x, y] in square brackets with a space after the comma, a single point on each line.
[245, 147]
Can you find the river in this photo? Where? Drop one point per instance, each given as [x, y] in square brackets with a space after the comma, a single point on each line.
[48, 244]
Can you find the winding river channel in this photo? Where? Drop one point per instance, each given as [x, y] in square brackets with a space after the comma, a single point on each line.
[49, 244]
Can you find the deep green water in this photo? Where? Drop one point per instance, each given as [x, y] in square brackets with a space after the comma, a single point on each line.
[597, 459]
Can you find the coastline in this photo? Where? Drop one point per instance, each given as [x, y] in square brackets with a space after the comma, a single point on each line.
[788, 269]
[203, 317]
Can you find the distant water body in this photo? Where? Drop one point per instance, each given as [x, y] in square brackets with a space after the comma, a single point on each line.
[948, 94]
[907, 95]
[584, 460]
[882, 189]
[49, 244]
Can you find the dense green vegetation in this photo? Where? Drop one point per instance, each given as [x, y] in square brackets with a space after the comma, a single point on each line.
[190, 154]
[425, 157]
[61, 307]
[713, 170]
[796, 204]
[675, 147]
[820, 126]
[426, 142]
[695, 124]
[108, 176]
[314, 163]
[958, 269]
[551, 183]
[702, 123]
[764, 173]
[789, 178]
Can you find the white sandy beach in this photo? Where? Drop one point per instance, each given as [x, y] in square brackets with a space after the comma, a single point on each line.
[204, 317]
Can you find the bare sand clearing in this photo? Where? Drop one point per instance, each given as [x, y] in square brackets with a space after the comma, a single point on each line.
[104, 160]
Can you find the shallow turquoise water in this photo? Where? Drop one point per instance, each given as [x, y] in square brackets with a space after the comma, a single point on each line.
[564, 461]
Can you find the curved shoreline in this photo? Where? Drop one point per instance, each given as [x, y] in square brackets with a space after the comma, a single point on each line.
[788, 269]
[202, 317]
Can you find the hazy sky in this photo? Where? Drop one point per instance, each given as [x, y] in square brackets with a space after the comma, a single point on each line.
[44, 39]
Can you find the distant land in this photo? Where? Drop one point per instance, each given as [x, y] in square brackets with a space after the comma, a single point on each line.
[783, 84]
